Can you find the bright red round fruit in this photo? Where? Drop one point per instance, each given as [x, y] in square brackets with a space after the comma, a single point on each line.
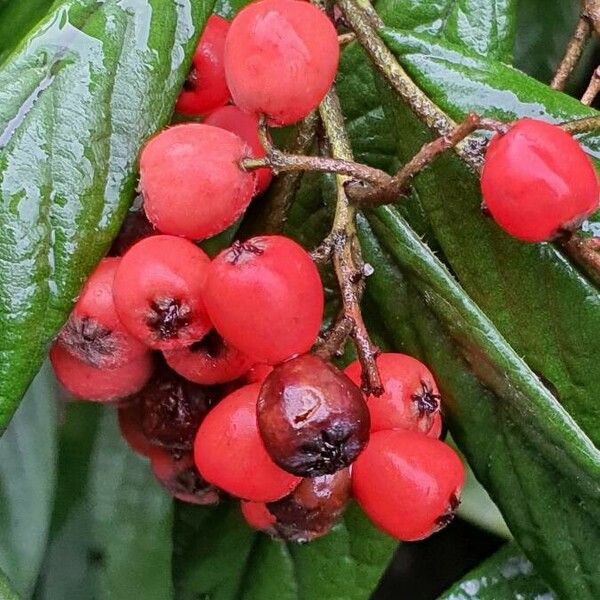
[209, 361]
[245, 125]
[229, 452]
[94, 334]
[205, 87]
[410, 400]
[158, 292]
[191, 180]
[265, 298]
[100, 385]
[408, 484]
[437, 428]
[537, 181]
[281, 57]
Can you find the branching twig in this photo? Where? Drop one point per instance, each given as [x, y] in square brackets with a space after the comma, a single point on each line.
[347, 260]
[572, 54]
[593, 88]
[584, 125]
[585, 252]
[334, 339]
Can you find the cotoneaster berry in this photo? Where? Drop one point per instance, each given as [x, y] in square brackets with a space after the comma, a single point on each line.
[410, 399]
[230, 454]
[537, 181]
[178, 475]
[209, 361]
[258, 517]
[313, 420]
[130, 426]
[100, 385]
[265, 297]
[94, 334]
[313, 508]
[191, 180]
[245, 125]
[172, 409]
[158, 292]
[257, 373]
[408, 484]
[437, 427]
[281, 58]
[205, 87]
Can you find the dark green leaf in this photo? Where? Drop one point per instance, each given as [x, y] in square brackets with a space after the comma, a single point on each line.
[77, 101]
[16, 20]
[131, 521]
[219, 557]
[505, 576]
[538, 466]
[6, 591]
[485, 26]
[27, 474]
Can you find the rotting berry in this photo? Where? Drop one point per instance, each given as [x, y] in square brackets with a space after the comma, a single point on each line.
[281, 57]
[313, 508]
[135, 227]
[313, 420]
[245, 125]
[130, 426]
[209, 361]
[158, 292]
[407, 483]
[178, 475]
[93, 333]
[265, 297]
[205, 87]
[230, 454]
[537, 181]
[191, 180]
[410, 400]
[173, 408]
[100, 385]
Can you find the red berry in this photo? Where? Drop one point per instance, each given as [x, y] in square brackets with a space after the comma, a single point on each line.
[257, 515]
[130, 425]
[245, 125]
[410, 399]
[99, 385]
[408, 484]
[94, 334]
[173, 408]
[158, 292]
[265, 298]
[209, 361]
[205, 87]
[537, 181]
[191, 180]
[178, 475]
[281, 57]
[230, 454]
[313, 420]
[437, 427]
[258, 373]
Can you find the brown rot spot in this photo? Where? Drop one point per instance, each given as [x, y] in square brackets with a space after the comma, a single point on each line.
[426, 400]
[239, 250]
[167, 316]
[88, 340]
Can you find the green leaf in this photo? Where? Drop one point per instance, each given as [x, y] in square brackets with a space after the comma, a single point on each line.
[484, 26]
[538, 466]
[219, 557]
[131, 520]
[27, 477]
[6, 591]
[16, 20]
[504, 576]
[77, 101]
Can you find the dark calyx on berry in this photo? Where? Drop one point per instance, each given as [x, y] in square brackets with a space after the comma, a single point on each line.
[426, 400]
[173, 408]
[239, 249]
[167, 317]
[88, 340]
[313, 508]
[313, 420]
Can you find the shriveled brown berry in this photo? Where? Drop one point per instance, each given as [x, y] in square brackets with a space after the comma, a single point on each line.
[178, 475]
[313, 508]
[173, 408]
[313, 420]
